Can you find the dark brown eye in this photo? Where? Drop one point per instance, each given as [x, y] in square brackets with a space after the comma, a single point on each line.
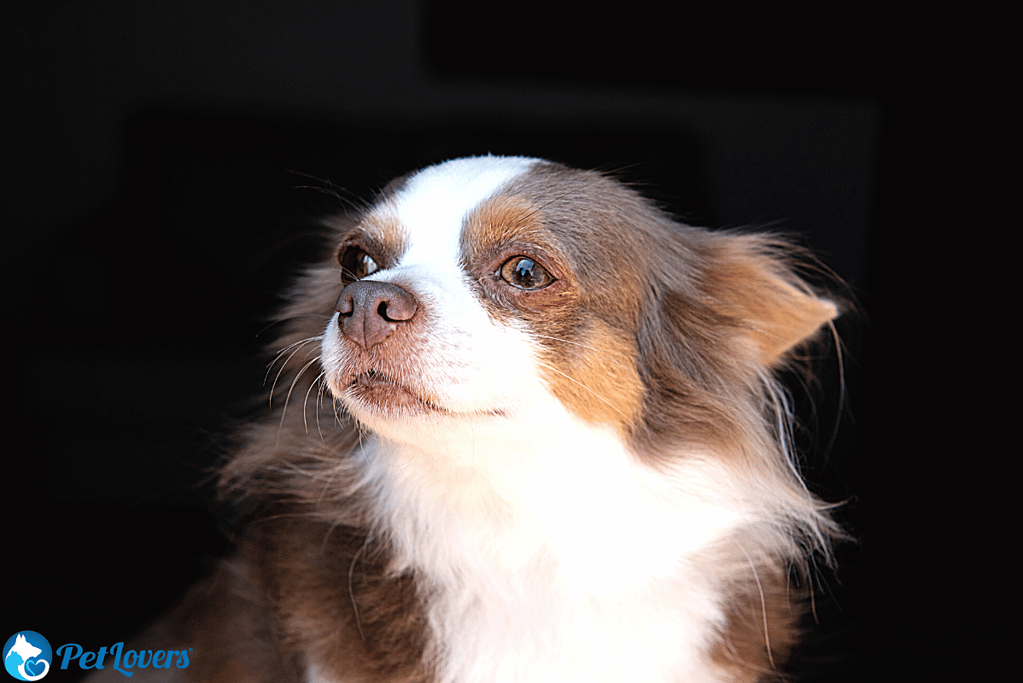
[355, 263]
[525, 273]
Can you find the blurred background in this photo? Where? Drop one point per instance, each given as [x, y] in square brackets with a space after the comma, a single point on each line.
[166, 163]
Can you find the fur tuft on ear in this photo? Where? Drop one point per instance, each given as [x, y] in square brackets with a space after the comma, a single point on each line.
[752, 282]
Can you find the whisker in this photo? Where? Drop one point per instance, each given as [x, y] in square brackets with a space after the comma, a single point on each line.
[295, 349]
[290, 318]
[317, 381]
[565, 341]
[319, 395]
[561, 196]
[351, 587]
[293, 345]
[348, 272]
[287, 398]
[329, 188]
[338, 412]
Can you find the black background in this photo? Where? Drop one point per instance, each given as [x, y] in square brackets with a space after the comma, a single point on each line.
[164, 163]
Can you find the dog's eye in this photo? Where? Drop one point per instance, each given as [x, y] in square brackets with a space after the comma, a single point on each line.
[525, 273]
[355, 263]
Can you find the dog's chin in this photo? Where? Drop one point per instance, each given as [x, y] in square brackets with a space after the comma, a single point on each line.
[376, 394]
[377, 399]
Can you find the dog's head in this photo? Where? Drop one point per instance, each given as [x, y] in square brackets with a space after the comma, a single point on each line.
[496, 294]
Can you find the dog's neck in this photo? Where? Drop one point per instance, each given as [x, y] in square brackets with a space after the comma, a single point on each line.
[564, 539]
[571, 494]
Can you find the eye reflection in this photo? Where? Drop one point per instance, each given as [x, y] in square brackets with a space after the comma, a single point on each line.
[525, 273]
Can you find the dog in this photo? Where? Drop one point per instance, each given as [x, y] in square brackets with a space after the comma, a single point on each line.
[557, 449]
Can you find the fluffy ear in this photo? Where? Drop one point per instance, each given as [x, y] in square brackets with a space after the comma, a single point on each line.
[754, 283]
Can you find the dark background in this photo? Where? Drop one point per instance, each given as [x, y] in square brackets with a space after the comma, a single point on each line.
[163, 172]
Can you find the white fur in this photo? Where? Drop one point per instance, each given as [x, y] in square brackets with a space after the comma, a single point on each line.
[555, 557]
[435, 202]
[543, 558]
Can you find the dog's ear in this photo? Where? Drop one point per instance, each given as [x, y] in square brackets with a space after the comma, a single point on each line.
[752, 281]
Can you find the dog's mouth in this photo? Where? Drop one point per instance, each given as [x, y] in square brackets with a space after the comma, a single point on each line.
[379, 392]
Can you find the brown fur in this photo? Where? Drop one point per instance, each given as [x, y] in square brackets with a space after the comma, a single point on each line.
[762, 626]
[382, 235]
[337, 599]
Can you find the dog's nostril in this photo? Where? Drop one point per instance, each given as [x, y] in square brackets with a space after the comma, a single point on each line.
[345, 305]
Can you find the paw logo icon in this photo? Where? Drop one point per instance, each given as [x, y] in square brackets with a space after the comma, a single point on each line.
[27, 656]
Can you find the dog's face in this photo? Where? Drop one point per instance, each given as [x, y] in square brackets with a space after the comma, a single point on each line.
[461, 304]
[500, 294]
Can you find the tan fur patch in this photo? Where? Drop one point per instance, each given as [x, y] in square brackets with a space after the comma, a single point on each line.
[776, 313]
[501, 220]
[601, 385]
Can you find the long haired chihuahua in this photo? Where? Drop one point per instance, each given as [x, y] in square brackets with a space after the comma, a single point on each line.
[558, 450]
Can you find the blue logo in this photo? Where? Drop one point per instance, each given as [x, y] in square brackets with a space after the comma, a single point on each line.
[27, 656]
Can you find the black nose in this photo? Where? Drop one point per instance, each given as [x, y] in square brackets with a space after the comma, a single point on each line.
[370, 311]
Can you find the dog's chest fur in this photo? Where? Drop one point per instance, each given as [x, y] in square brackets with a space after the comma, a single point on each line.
[497, 598]
[575, 565]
